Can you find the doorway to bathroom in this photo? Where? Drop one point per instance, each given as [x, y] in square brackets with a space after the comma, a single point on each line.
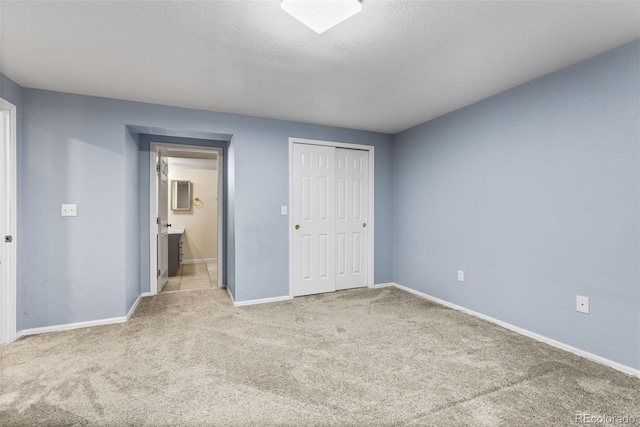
[185, 217]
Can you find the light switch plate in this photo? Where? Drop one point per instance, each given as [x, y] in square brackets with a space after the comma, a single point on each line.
[69, 210]
[283, 210]
[460, 276]
[582, 304]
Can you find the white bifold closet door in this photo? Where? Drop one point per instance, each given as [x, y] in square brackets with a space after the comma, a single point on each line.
[329, 212]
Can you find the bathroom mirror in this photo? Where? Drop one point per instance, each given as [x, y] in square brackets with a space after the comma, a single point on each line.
[180, 195]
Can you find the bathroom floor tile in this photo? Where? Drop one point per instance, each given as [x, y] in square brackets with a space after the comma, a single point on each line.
[193, 276]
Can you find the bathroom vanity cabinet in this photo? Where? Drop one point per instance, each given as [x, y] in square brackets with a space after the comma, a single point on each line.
[175, 251]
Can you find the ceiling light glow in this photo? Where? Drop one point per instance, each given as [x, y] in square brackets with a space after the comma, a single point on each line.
[321, 15]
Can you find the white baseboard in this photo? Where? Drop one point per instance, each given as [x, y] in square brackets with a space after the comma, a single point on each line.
[78, 325]
[527, 333]
[69, 326]
[261, 301]
[199, 261]
[135, 304]
[382, 285]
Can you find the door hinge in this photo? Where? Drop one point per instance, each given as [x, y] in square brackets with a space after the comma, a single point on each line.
[157, 168]
[158, 220]
[8, 239]
[158, 273]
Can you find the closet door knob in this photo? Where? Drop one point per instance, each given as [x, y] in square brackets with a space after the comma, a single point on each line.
[364, 225]
[297, 227]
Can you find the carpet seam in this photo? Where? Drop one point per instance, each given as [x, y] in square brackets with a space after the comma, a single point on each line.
[488, 392]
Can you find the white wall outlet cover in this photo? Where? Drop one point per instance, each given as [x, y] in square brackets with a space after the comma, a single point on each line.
[69, 210]
[460, 276]
[582, 304]
[283, 210]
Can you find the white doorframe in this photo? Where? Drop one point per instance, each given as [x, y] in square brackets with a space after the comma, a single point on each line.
[370, 221]
[153, 226]
[153, 201]
[8, 216]
[220, 218]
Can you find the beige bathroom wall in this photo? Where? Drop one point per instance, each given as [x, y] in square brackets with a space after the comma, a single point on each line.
[200, 240]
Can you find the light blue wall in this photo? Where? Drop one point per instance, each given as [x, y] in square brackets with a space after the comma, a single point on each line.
[534, 193]
[73, 268]
[80, 149]
[133, 226]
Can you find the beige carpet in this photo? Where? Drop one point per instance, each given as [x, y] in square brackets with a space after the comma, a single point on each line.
[360, 357]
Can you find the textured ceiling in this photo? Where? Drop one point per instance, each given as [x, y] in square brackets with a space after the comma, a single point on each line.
[392, 66]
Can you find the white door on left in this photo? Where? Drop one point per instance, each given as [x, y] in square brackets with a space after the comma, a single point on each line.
[162, 220]
[8, 217]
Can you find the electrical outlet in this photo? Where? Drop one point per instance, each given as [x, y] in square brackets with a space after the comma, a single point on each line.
[460, 276]
[69, 210]
[582, 304]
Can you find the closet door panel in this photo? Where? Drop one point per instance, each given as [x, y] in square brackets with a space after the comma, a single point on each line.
[314, 215]
[352, 176]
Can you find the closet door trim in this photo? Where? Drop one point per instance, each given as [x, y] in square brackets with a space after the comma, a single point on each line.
[371, 203]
